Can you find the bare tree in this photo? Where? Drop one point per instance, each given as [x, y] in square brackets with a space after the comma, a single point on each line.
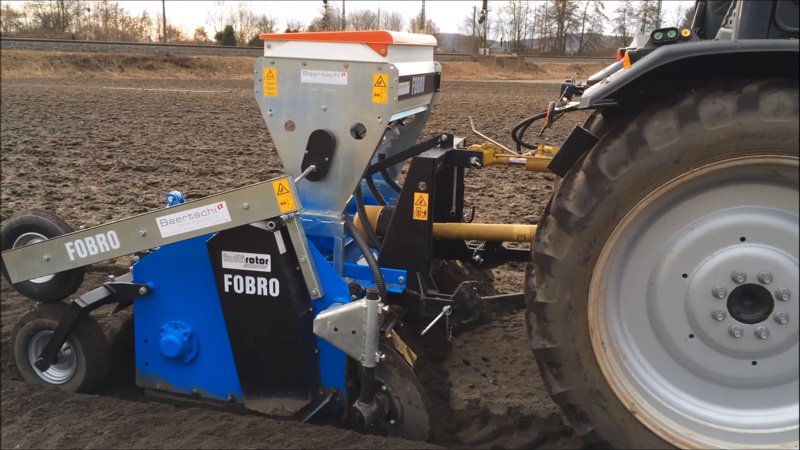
[244, 22]
[12, 20]
[363, 19]
[563, 15]
[329, 19]
[391, 20]
[294, 26]
[265, 23]
[217, 17]
[416, 25]
[648, 15]
[542, 28]
[200, 36]
[173, 34]
[593, 20]
[624, 22]
[52, 17]
[515, 25]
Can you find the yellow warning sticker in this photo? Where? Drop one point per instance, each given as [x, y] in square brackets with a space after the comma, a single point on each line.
[420, 206]
[380, 87]
[283, 194]
[269, 81]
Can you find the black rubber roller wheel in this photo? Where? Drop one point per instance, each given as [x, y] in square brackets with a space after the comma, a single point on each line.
[663, 295]
[83, 361]
[30, 227]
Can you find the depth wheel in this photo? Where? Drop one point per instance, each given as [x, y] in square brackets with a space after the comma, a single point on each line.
[405, 397]
[662, 307]
[30, 227]
[83, 360]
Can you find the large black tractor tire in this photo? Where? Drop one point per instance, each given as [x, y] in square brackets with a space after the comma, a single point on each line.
[29, 227]
[83, 361]
[633, 301]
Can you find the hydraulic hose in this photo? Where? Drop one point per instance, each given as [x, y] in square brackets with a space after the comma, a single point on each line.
[374, 190]
[362, 213]
[520, 129]
[392, 184]
[368, 256]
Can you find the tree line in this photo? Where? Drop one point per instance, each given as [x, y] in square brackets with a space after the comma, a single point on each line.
[567, 27]
[580, 27]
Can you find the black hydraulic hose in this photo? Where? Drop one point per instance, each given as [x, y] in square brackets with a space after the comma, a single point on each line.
[520, 129]
[374, 190]
[362, 214]
[390, 181]
[368, 256]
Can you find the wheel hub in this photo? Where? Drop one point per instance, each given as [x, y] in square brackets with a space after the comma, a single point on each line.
[750, 303]
[28, 239]
[66, 363]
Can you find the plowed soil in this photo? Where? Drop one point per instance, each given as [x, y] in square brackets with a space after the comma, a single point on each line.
[93, 150]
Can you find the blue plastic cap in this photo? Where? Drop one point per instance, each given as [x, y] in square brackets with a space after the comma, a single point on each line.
[172, 346]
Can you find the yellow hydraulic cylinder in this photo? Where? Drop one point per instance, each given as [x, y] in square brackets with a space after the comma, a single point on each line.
[535, 161]
[484, 231]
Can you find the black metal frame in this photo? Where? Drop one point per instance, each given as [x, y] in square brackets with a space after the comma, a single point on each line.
[111, 292]
[437, 169]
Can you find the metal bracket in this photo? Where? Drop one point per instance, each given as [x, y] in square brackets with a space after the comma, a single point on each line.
[346, 326]
[116, 291]
[307, 267]
[153, 229]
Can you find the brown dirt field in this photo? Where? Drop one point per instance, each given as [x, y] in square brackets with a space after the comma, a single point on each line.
[96, 149]
[53, 64]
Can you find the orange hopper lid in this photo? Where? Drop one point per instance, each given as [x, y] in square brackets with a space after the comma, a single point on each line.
[376, 40]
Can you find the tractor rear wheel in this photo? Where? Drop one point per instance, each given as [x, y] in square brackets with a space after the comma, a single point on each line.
[662, 300]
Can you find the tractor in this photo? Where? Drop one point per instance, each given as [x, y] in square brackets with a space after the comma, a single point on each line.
[662, 285]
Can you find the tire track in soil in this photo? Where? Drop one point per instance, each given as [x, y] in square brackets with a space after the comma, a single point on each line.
[92, 155]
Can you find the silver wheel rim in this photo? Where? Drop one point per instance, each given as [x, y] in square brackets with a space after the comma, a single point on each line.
[60, 372]
[663, 333]
[28, 239]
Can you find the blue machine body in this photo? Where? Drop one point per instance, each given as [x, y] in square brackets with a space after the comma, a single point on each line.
[182, 290]
[182, 343]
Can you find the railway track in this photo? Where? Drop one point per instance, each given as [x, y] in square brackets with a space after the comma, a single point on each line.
[65, 45]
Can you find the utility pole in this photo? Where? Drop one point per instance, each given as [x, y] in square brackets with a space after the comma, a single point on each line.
[163, 21]
[658, 14]
[344, 20]
[325, 16]
[473, 29]
[422, 17]
[483, 20]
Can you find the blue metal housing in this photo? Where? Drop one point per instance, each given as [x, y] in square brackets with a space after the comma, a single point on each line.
[182, 290]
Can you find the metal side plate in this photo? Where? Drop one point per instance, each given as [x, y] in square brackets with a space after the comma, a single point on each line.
[230, 209]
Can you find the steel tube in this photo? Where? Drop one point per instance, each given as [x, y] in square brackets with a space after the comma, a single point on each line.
[484, 232]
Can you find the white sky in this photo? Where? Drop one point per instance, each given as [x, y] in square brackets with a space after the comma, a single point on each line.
[448, 15]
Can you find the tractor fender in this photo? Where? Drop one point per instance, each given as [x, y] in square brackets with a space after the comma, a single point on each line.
[671, 69]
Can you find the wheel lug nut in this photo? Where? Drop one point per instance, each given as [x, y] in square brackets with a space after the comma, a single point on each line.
[765, 277]
[738, 277]
[762, 332]
[783, 294]
[719, 292]
[782, 317]
[718, 315]
[735, 331]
